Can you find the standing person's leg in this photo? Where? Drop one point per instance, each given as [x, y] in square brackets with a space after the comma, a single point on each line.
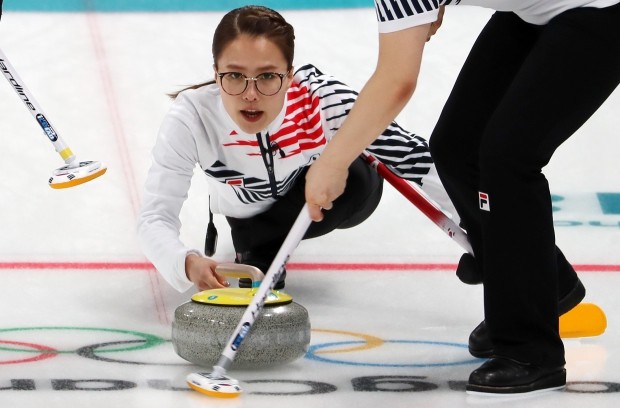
[573, 67]
[455, 142]
[493, 61]
[570, 292]
[258, 239]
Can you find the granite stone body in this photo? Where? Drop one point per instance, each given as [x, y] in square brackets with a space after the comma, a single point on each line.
[281, 334]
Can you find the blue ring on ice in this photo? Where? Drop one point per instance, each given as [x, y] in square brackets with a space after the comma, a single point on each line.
[311, 354]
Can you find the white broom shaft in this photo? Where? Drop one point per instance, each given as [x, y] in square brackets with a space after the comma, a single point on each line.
[34, 108]
[291, 242]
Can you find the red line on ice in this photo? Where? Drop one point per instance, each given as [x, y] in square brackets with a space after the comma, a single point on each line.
[309, 266]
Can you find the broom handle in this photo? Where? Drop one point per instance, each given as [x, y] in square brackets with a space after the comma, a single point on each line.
[425, 205]
[291, 242]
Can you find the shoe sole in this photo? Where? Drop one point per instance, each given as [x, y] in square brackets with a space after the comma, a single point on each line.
[481, 353]
[551, 382]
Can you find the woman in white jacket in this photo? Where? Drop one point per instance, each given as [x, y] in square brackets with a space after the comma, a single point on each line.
[254, 131]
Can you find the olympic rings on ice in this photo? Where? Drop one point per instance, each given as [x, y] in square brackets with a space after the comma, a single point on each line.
[317, 352]
[144, 341]
[429, 353]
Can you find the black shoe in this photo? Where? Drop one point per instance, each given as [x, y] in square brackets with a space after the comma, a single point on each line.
[501, 375]
[468, 270]
[247, 282]
[480, 344]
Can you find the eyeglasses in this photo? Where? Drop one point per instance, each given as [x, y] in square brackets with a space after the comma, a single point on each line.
[267, 83]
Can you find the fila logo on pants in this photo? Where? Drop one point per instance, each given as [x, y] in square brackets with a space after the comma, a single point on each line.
[483, 200]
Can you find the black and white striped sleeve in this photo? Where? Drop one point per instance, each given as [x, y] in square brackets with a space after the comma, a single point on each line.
[395, 15]
[404, 152]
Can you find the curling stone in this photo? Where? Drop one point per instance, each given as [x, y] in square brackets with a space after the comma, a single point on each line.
[203, 326]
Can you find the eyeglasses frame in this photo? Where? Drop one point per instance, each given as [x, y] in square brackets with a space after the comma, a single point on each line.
[220, 75]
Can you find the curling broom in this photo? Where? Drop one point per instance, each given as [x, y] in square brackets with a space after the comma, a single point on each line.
[74, 172]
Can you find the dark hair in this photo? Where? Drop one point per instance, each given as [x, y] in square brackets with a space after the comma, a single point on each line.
[255, 21]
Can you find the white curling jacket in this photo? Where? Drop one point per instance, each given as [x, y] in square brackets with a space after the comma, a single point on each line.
[247, 172]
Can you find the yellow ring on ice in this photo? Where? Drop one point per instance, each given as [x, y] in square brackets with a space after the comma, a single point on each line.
[371, 341]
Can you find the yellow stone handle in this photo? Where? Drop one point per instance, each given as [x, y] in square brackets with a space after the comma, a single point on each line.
[235, 270]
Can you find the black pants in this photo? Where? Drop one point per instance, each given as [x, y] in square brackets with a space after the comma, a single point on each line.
[258, 239]
[523, 91]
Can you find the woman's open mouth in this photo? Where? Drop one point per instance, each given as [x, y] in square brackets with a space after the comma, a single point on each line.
[252, 115]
